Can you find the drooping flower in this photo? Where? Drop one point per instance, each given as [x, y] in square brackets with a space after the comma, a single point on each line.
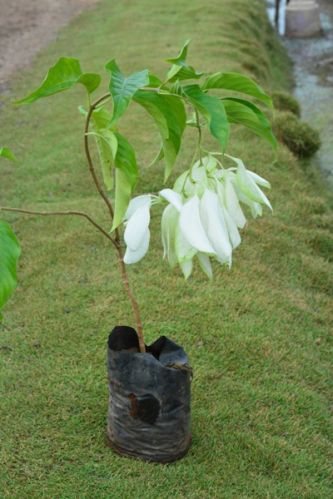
[137, 234]
[177, 248]
[191, 226]
[215, 226]
[203, 215]
[228, 199]
[246, 185]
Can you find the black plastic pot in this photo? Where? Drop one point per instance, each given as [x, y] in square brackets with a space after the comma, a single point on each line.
[149, 407]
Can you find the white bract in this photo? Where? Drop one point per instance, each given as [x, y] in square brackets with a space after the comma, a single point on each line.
[203, 215]
[137, 234]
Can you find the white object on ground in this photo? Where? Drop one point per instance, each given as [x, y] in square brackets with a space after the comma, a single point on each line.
[302, 18]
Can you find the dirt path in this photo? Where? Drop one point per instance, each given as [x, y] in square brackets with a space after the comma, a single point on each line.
[26, 26]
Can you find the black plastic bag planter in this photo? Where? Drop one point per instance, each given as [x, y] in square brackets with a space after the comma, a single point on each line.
[149, 405]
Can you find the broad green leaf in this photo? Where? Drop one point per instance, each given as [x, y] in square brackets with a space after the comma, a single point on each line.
[101, 117]
[237, 83]
[154, 81]
[180, 59]
[123, 88]
[126, 175]
[9, 254]
[106, 142]
[246, 113]
[169, 115]
[5, 152]
[183, 73]
[63, 75]
[90, 80]
[179, 69]
[212, 110]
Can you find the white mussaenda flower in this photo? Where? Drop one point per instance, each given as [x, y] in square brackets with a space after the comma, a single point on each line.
[137, 234]
[203, 215]
[191, 225]
[215, 226]
[194, 227]
[246, 185]
[176, 247]
[229, 199]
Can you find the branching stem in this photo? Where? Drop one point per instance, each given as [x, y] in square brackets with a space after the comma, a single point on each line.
[60, 213]
[116, 240]
[198, 147]
[87, 151]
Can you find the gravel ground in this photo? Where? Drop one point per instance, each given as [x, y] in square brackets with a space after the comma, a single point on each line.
[26, 26]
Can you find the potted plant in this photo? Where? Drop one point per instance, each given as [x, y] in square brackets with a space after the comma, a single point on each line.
[149, 410]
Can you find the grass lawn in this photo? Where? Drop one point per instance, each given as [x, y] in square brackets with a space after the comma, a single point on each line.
[259, 336]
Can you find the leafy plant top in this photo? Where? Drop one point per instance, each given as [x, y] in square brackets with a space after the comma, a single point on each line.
[205, 209]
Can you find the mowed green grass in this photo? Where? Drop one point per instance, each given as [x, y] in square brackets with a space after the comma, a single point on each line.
[258, 336]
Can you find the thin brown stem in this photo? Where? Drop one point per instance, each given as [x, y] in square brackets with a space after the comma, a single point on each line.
[60, 213]
[91, 164]
[133, 301]
[198, 146]
[87, 151]
[116, 240]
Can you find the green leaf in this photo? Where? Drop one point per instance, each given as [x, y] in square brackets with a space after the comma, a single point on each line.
[154, 81]
[212, 110]
[63, 75]
[101, 118]
[126, 177]
[106, 143]
[5, 152]
[180, 59]
[123, 88]
[169, 115]
[91, 81]
[183, 73]
[179, 69]
[176, 88]
[246, 113]
[237, 83]
[9, 254]
[158, 157]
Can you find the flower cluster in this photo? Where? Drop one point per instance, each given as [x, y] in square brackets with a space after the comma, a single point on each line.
[203, 215]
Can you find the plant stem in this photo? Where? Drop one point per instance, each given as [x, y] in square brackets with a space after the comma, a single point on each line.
[90, 163]
[60, 213]
[134, 303]
[117, 246]
[116, 240]
[198, 147]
